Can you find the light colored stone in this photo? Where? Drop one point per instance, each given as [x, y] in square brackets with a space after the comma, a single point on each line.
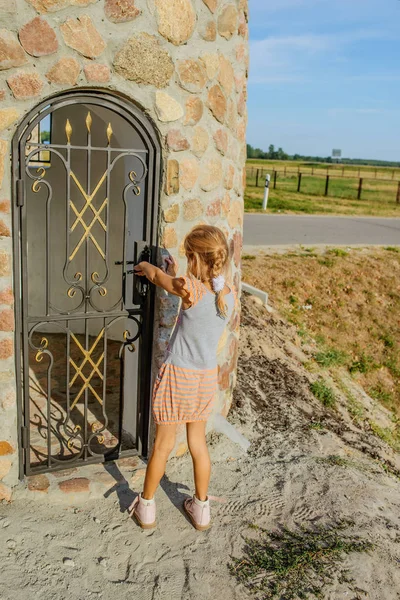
[138, 475]
[97, 73]
[200, 141]
[211, 64]
[228, 21]
[188, 173]
[25, 85]
[38, 38]
[216, 102]
[5, 466]
[2, 94]
[120, 11]
[71, 486]
[221, 141]
[7, 296]
[170, 238]
[6, 348]
[65, 71]
[176, 141]
[171, 214]
[242, 54]
[241, 131]
[172, 177]
[44, 6]
[5, 492]
[6, 448]
[243, 28]
[211, 4]
[211, 174]
[81, 35]
[167, 108]
[192, 209]
[181, 449]
[229, 177]
[176, 20]
[7, 117]
[235, 215]
[214, 209]
[231, 116]
[5, 205]
[192, 75]
[3, 154]
[11, 52]
[144, 60]
[241, 105]
[209, 31]
[7, 320]
[194, 110]
[8, 398]
[38, 483]
[226, 76]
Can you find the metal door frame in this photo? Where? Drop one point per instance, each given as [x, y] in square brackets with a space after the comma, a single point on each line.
[125, 107]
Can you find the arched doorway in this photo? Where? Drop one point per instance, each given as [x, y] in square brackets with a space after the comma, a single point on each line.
[86, 169]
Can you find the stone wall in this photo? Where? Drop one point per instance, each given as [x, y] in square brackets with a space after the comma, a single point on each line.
[185, 63]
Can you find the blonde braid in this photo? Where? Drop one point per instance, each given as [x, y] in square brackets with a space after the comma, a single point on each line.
[216, 269]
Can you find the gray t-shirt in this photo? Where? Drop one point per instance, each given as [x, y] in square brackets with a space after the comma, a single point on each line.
[194, 341]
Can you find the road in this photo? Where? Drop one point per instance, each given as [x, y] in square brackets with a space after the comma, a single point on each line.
[286, 230]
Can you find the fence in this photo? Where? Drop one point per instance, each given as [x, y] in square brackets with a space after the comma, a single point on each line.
[328, 182]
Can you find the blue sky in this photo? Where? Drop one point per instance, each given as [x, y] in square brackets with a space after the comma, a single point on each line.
[325, 74]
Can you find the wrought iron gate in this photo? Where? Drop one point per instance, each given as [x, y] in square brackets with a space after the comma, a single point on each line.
[86, 181]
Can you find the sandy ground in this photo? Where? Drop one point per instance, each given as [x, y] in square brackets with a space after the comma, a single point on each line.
[95, 551]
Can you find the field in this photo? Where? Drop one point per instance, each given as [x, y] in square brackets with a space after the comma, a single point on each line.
[377, 195]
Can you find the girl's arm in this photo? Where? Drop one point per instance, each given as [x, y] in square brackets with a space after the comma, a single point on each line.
[172, 285]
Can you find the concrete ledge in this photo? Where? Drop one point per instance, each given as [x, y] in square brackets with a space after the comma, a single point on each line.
[255, 292]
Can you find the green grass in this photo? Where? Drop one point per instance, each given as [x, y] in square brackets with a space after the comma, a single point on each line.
[378, 196]
[390, 436]
[331, 357]
[323, 393]
[288, 565]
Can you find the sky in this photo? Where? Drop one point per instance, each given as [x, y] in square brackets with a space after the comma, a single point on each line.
[325, 74]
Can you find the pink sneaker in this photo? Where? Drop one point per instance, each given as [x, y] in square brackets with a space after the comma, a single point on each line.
[198, 512]
[144, 512]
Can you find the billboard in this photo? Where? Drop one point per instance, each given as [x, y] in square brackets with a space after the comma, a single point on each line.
[336, 153]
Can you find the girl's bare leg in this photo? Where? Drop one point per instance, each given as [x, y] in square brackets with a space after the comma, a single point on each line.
[163, 446]
[196, 439]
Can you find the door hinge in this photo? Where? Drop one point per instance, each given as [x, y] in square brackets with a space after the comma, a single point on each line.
[24, 437]
[20, 192]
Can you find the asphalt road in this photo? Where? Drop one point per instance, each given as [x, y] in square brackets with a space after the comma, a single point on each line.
[287, 230]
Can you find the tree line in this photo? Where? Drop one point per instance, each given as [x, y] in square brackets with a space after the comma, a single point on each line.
[280, 154]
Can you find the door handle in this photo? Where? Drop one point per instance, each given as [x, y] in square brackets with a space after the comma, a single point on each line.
[142, 252]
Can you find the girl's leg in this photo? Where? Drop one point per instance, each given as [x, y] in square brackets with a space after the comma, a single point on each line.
[196, 439]
[163, 446]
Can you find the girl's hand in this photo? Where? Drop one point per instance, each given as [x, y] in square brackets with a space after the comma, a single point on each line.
[143, 269]
[171, 266]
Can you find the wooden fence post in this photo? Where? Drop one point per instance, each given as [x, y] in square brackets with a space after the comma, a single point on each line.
[398, 194]
[275, 174]
[257, 177]
[359, 188]
[299, 184]
[327, 185]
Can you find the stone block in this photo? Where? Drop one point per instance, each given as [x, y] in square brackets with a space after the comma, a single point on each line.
[194, 110]
[172, 177]
[97, 73]
[7, 117]
[192, 75]
[167, 108]
[171, 214]
[65, 71]
[144, 60]
[120, 11]
[72, 486]
[38, 38]
[11, 51]
[211, 64]
[228, 21]
[200, 141]
[5, 492]
[38, 483]
[211, 174]
[5, 466]
[170, 237]
[5, 263]
[209, 31]
[192, 209]
[6, 448]
[221, 141]
[216, 102]
[7, 320]
[25, 85]
[211, 4]
[176, 20]
[188, 173]
[176, 141]
[226, 76]
[6, 348]
[44, 6]
[81, 35]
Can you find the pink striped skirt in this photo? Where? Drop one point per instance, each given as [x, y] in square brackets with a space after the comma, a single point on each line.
[183, 395]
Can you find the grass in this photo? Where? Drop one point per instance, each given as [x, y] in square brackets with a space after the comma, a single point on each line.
[354, 315]
[378, 196]
[323, 393]
[289, 564]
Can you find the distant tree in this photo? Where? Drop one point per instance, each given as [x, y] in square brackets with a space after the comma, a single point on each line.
[45, 136]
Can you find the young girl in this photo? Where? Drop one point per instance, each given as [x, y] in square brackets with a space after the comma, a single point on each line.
[186, 384]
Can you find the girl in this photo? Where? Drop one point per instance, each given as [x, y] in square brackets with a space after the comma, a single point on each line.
[186, 384]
